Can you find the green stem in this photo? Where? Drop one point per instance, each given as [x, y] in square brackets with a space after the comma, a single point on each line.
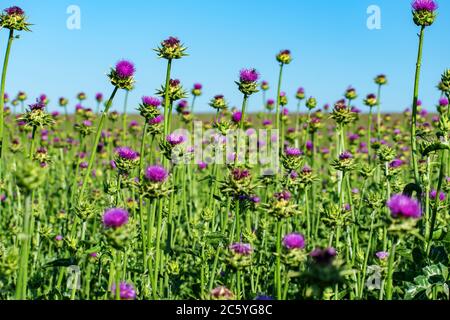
[2, 90]
[95, 143]
[414, 111]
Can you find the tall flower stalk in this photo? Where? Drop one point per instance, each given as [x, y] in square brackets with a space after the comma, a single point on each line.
[122, 77]
[284, 57]
[423, 15]
[12, 19]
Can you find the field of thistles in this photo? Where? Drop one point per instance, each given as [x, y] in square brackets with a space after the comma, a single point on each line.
[296, 202]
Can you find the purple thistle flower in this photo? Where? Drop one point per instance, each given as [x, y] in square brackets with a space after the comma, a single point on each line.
[156, 120]
[270, 102]
[240, 248]
[346, 155]
[99, 97]
[127, 291]
[382, 255]
[294, 241]
[267, 122]
[443, 102]
[14, 11]
[293, 152]
[309, 145]
[284, 195]
[248, 75]
[237, 116]
[396, 163]
[171, 42]
[127, 153]
[156, 174]
[59, 237]
[202, 165]
[125, 69]
[175, 139]
[433, 194]
[84, 165]
[198, 86]
[239, 174]
[424, 5]
[39, 105]
[404, 206]
[115, 217]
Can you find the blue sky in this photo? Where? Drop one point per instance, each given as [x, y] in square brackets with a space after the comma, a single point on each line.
[330, 43]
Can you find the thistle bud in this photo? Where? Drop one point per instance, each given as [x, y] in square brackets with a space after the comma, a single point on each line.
[371, 100]
[176, 91]
[14, 18]
[218, 103]
[445, 82]
[283, 99]
[197, 90]
[148, 108]
[351, 94]
[171, 48]
[81, 96]
[424, 12]
[300, 95]
[311, 103]
[264, 86]
[284, 57]
[381, 80]
[21, 96]
[63, 102]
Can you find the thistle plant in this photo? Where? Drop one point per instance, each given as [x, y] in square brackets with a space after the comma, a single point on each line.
[283, 58]
[170, 49]
[12, 19]
[121, 77]
[424, 14]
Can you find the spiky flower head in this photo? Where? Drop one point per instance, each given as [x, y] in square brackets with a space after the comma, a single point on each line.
[264, 85]
[171, 48]
[156, 174]
[176, 91]
[21, 96]
[248, 81]
[284, 57]
[444, 86]
[323, 256]
[283, 98]
[99, 97]
[63, 102]
[311, 103]
[241, 248]
[351, 94]
[115, 218]
[381, 80]
[300, 95]
[14, 18]
[294, 241]
[402, 206]
[424, 12]
[122, 76]
[81, 96]
[197, 90]
[148, 108]
[270, 104]
[371, 100]
[218, 102]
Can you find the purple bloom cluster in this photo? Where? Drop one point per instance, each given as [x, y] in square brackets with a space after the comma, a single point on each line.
[127, 153]
[283, 195]
[171, 42]
[294, 241]
[424, 5]
[244, 249]
[239, 174]
[293, 152]
[433, 194]
[346, 155]
[14, 11]
[125, 69]
[198, 86]
[404, 206]
[156, 174]
[151, 101]
[175, 139]
[115, 217]
[236, 116]
[248, 75]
